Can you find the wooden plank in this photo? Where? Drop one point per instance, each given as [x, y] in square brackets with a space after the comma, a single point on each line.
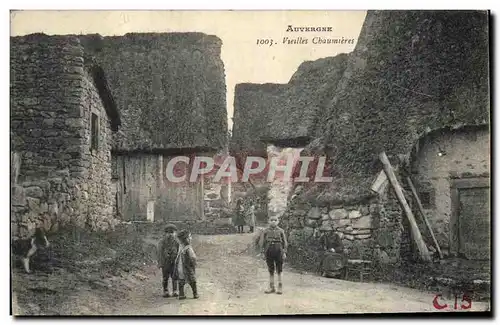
[471, 182]
[426, 221]
[380, 183]
[15, 165]
[454, 221]
[417, 236]
[202, 197]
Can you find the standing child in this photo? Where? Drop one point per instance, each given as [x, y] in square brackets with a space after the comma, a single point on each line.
[185, 264]
[274, 246]
[239, 220]
[167, 252]
[251, 216]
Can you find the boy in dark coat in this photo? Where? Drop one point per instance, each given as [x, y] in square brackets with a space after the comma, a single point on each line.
[274, 246]
[168, 249]
[185, 264]
[239, 220]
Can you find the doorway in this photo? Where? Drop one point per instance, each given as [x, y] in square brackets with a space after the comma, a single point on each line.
[470, 222]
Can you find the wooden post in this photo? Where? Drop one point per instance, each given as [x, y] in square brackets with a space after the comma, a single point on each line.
[417, 236]
[15, 165]
[202, 195]
[421, 209]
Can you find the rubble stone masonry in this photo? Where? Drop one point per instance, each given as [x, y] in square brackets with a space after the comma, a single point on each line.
[59, 180]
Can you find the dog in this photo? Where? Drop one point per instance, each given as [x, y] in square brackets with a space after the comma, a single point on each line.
[26, 248]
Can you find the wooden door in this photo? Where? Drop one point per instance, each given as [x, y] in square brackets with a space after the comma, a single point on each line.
[474, 223]
[472, 219]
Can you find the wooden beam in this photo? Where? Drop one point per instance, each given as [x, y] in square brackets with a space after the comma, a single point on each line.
[380, 183]
[202, 196]
[417, 236]
[421, 209]
[470, 182]
[15, 165]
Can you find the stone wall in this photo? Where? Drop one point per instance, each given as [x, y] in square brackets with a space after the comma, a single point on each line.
[45, 116]
[96, 188]
[364, 225]
[39, 113]
[216, 201]
[52, 95]
[392, 233]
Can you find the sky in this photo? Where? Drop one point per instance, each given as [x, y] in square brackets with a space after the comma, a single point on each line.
[244, 60]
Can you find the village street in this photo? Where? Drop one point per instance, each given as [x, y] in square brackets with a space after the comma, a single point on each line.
[232, 282]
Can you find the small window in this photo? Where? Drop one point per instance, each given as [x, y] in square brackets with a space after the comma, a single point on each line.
[94, 132]
[426, 198]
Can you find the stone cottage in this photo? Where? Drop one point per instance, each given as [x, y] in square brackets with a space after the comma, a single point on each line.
[170, 89]
[451, 169]
[63, 117]
[85, 163]
[415, 87]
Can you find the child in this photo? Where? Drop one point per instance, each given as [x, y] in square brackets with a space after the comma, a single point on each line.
[274, 246]
[251, 216]
[239, 220]
[185, 264]
[167, 252]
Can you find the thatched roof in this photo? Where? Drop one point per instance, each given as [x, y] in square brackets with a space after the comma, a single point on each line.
[411, 72]
[101, 83]
[287, 115]
[169, 87]
[303, 104]
[254, 105]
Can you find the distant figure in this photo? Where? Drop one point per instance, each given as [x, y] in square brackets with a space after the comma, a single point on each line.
[239, 220]
[251, 216]
[332, 241]
[274, 247]
[380, 256]
[185, 264]
[168, 249]
[334, 258]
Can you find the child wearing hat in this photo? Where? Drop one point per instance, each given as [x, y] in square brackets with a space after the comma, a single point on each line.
[168, 249]
[185, 264]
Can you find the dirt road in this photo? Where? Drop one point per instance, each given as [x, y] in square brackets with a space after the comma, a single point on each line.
[231, 282]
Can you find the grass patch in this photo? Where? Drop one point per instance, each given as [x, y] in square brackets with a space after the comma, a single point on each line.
[80, 260]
